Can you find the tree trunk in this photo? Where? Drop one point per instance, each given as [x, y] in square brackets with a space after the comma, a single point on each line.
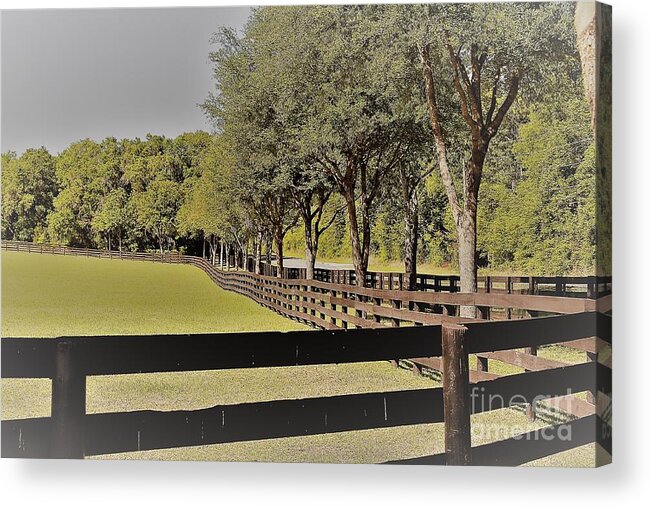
[258, 254]
[358, 258]
[310, 261]
[269, 248]
[221, 255]
[279, 240]
[467, 237]
[310, 247]
[411, 238]
[120, 242]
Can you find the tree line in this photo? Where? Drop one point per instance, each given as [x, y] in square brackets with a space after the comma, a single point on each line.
[365, 129]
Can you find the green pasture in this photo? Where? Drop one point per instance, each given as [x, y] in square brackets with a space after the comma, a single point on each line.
[46, 296]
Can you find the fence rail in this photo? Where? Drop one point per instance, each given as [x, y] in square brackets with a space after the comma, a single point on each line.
[68, 361]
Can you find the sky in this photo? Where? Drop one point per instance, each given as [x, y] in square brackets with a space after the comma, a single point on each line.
[72, 74]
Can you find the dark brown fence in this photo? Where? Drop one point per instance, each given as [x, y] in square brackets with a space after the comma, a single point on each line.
[335, 305]
[71, 433]
[568, 286]
[565, 286]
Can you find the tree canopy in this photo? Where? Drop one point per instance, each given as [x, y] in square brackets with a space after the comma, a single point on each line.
[449, 134]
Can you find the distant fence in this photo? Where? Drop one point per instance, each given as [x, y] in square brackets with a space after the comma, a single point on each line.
[568, 286]
[333, 306]
[72, 433]
[591, 287]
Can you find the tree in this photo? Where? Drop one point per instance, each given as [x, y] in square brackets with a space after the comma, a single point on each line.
[593, 24]
[84, 176]
[210, 208]
[545, 224]
[411, 174]
[344, 117]
[244, 109]
[28, 191]
[114, 217]
[487, 69]
[156, 211]
[312, 193]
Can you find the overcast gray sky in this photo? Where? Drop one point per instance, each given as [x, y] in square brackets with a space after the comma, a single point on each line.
[73, 74]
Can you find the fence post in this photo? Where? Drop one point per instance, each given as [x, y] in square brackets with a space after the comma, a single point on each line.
[344, 310]
[590, 397]
[396, 304]
[531, 407]
[456, 395]
[68, 402]
[509, 290]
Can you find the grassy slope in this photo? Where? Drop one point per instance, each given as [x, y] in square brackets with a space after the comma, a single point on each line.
[45, 295]
[49, 296]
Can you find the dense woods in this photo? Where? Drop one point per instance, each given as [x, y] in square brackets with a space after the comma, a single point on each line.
[443, 134]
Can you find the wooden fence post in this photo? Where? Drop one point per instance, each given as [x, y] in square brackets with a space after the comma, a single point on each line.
[333, 307]
[531, 407]
[456, 395]
[509, 290]
[396, 304]
[68, 403]
[590, 397]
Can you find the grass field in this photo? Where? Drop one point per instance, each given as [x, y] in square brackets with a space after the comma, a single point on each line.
[46, 296]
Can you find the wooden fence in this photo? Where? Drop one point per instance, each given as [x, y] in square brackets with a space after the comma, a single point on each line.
[333, 306]
[566, 286]
[71, 433]
[569, 286]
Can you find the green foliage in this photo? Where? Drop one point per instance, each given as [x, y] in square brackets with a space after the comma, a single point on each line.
[546, 223]
[28, 190]
[156, 210]
[115, 217]
[318, 105]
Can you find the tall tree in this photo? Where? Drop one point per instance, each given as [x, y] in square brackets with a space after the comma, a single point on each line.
[114, 218]
[244, 110]
[86, 171]
[312, 200]
[156, 211]
[342, 112]
[487, 70]
[28, 191]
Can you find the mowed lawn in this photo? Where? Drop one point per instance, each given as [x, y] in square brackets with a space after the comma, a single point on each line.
[46, 296]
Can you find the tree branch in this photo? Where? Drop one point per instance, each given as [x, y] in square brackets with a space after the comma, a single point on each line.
[456, 63]
[493, 104]
[508, 102]
[437, 131]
